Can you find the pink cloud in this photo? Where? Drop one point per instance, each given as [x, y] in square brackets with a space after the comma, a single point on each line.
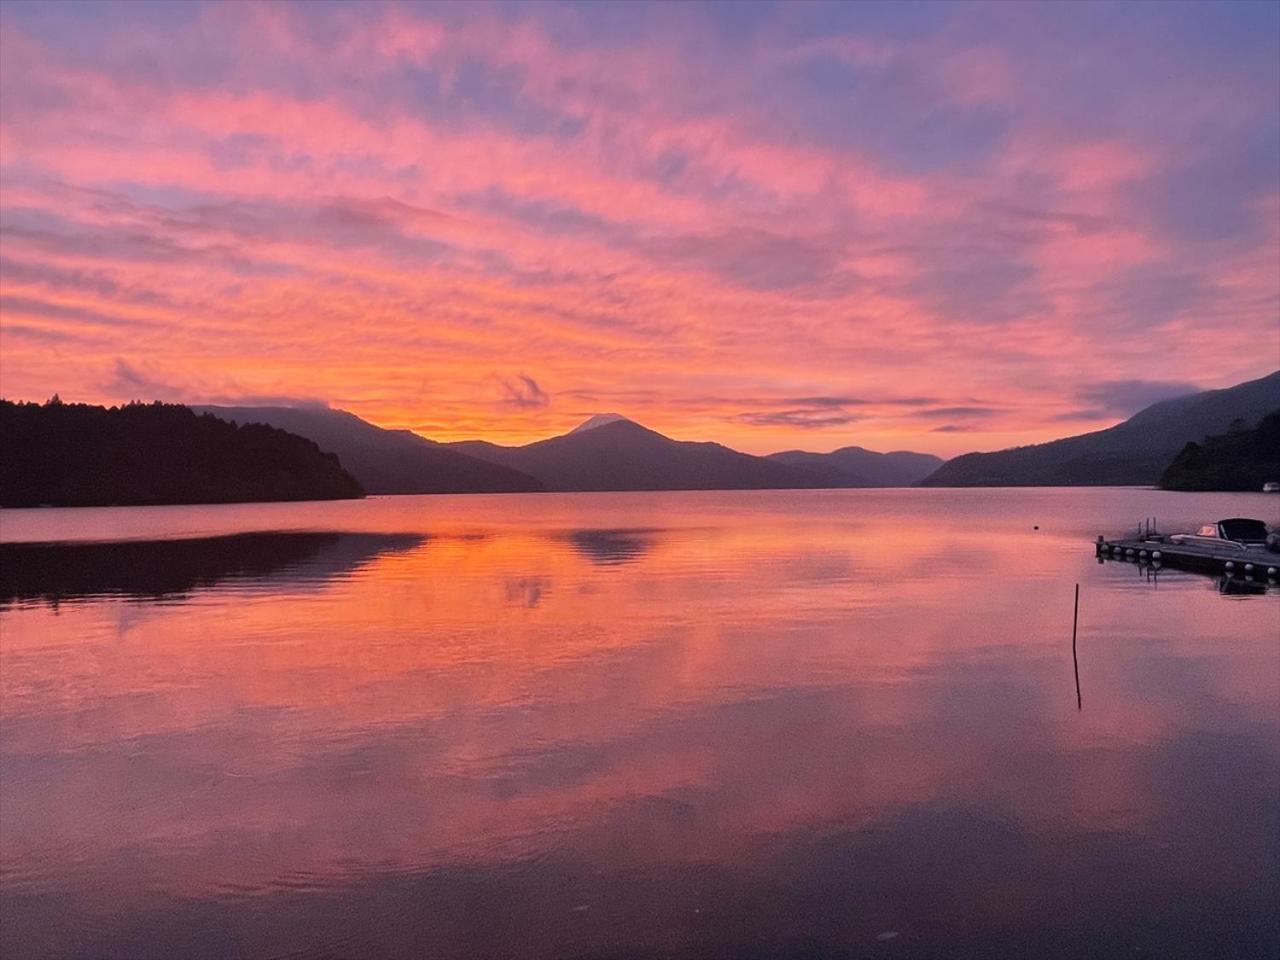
[581, 209]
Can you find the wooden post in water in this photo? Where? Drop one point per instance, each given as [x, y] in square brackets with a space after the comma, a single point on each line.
[1075, 622]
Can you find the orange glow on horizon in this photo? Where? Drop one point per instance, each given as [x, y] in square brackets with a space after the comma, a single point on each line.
[736, 246]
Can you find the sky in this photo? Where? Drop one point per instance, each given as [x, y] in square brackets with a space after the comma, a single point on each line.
[906, 226]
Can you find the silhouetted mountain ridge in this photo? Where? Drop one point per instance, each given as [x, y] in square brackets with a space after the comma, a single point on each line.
[1136, 451]
[866, 468]
[386, 461]
[623, 455]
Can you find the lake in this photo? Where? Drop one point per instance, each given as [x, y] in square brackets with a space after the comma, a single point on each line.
[725, 725]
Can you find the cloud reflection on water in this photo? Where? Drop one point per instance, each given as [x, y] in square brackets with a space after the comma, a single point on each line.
[763, 733]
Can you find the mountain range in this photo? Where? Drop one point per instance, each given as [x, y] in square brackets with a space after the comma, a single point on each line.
[606, 452]
[386, 461]
[1135, 452]
[610, 452]
[614, 453]
[866, 468]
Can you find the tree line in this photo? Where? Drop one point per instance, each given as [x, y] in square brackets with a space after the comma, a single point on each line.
[76, 455]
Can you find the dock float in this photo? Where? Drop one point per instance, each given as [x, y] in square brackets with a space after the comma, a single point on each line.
[1231, 559]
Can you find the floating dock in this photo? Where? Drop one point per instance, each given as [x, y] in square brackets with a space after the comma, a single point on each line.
[1230, 559]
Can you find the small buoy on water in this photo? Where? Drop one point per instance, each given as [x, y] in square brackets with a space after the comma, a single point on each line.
[1231, 565]
[1142, 553]
[1129, 552]
[1036, 527]
[1155, 554]
[1271, 571]
[1248, 568]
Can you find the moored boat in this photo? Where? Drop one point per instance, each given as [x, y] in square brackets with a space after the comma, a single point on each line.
[1238, 545]
[1242, 531]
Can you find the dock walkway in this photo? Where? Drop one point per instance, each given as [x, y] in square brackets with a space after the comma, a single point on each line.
[1157, 550]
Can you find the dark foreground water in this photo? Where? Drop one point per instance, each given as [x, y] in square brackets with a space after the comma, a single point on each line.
[817, 724]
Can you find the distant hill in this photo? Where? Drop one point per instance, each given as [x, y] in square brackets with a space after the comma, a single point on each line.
[77, 455]
[387, 461]
[1240, 459]
[619, 454]
[1133, 452]
[866, 468]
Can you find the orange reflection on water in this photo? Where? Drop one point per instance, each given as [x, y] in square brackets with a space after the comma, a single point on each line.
[634, 696]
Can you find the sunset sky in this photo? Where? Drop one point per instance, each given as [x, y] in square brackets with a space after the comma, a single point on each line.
[935, 227]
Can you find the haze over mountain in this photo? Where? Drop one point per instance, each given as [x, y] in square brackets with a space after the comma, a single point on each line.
[613, 453]
[866, 468]
[598, 420]
[386, 461]
[1136, 451]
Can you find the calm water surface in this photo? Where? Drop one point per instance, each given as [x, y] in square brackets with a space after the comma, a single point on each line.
[781, 724]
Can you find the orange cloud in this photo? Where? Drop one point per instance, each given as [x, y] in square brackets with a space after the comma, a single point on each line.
[619, 220]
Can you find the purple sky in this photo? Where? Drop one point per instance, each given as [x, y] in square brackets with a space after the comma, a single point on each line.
[941, 227]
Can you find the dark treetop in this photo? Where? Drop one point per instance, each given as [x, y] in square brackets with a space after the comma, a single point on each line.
[1240, 459]
[76, 455]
